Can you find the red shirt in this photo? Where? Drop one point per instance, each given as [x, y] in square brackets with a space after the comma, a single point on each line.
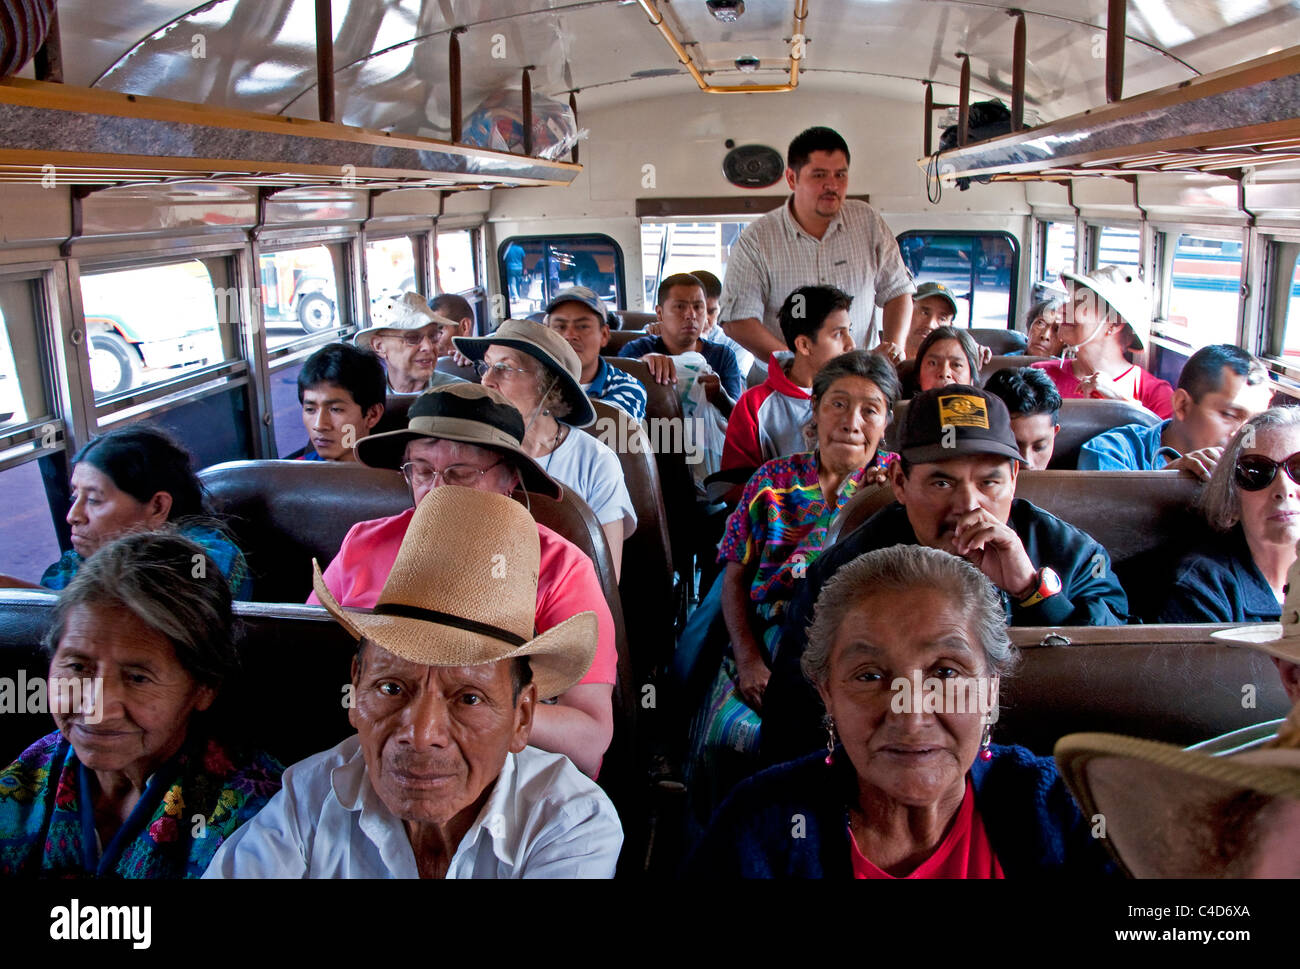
[1134, 383]
[964, 853]
[566, 583]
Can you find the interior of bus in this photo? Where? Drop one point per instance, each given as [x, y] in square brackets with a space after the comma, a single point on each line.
[195, 198]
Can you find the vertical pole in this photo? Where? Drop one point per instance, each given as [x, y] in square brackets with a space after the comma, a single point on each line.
[929, 116]
[963, 109]
[325, 59]
[453, 69]
[1018, 74]
[1116, 14]
[49, 59]
[528, 111]
[573, 106]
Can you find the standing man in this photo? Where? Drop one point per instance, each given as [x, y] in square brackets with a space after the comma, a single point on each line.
[816, 238]
[579, 315]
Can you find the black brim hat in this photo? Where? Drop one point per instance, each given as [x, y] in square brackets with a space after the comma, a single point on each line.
[466, 413]
[548, 348]
[956, 421]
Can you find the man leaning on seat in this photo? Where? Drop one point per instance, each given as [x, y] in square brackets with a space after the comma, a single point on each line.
[955, 485]
[439, 780]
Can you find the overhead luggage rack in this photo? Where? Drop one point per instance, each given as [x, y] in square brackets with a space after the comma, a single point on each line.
[84, 136]
[1242, 117]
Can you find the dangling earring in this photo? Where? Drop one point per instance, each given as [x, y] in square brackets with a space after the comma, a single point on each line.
[830, 741]
[985, 753]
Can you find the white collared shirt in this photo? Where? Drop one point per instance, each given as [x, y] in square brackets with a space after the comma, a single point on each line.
[543, 819]
[774, 256]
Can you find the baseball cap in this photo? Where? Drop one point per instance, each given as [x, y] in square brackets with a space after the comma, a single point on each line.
[978, 420]
[583, 295]
[935, 289]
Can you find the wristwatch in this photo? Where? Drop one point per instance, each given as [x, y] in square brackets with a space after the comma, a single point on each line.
[1049, 584]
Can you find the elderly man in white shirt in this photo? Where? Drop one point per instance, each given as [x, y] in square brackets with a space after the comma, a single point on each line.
[819, 237]
[438, 781]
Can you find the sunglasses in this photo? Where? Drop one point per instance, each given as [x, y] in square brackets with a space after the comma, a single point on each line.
[1255, 472]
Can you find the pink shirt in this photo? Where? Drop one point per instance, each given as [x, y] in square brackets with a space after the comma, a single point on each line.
[1134, 383]
[964, 853]
[566, 586]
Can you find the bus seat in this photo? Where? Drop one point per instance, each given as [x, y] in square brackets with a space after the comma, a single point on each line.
[998, 340]
[1081, 420]
[665, 407]
[395, 408]
[1131, 513]
[281, 644]
[1005, 361]
[630, 319]
[618, 339]
[646, 587]
[1170, 683]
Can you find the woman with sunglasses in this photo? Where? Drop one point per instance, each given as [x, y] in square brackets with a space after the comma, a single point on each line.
[1253, 502]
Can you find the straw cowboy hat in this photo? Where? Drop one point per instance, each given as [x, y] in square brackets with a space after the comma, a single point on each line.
[548, 348]
[410, 311]
[464, 412]
[1120, 288]
[470, 600]
[1175, 813]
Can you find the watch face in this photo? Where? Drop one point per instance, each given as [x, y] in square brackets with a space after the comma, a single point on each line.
[1051, 583]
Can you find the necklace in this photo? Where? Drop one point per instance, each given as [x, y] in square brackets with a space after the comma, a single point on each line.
[560, 433]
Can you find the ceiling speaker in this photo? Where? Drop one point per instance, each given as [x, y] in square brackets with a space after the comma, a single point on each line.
[753, 166]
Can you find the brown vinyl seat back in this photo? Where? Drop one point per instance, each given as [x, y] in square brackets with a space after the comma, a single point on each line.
[1004, 361]
[1170, 683]
[1131, 513]
[395, 408]
[998, 340]
[630, 319]
[1081, 421]
[664, 422]
[288, 696]
[646, 586]
[618, 339]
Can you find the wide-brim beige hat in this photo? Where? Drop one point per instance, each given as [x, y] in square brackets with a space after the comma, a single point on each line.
[1127, 295]
[463, 592]
[466, 413]
[1175, 813]
[548, 348]
[410, 311]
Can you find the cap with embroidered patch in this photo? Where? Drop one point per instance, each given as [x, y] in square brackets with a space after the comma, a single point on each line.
[956, 421]
[934, 289]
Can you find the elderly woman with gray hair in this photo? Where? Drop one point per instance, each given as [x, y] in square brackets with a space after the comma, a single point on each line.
[131, 784]
[909, 785]
[1252, 501]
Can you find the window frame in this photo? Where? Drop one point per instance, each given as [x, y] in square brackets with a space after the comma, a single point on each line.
[1013, 292]
[620, 273]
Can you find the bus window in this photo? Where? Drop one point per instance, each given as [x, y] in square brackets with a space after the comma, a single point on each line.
[286, 411]
[22, 380]
[456, 264]
[390, 267]
[1205, 294]
[1057, 252]
[150, 324]
[681, 247]
[978, 267]
[1287, 276]
[1118, 247]
[536, 268]
[299, 293]
[28, 541]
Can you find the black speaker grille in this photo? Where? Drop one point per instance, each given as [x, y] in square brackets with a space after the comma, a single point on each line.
[753, 166]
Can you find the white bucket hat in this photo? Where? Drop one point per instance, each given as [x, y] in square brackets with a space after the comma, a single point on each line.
[409, 311]
[1120, 288]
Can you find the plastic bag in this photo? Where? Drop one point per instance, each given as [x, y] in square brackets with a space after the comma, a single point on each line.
[498, 123]
[706, 429]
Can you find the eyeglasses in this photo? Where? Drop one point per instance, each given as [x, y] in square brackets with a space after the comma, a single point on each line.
[1255, 472]
[419, 474]
[502, 370]
[413, 338]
